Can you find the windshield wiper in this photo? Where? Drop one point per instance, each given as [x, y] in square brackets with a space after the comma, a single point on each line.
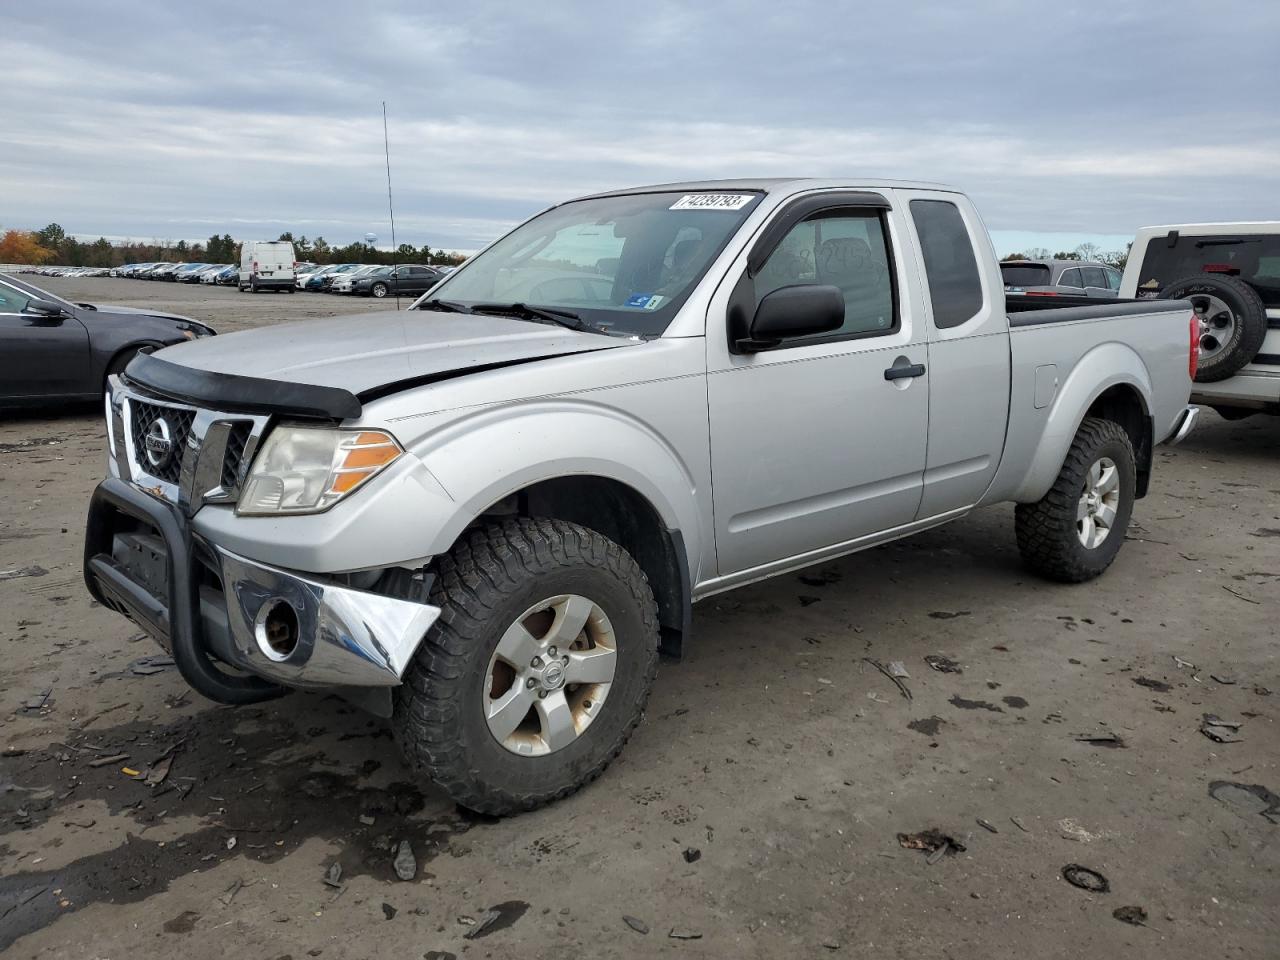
[447, 306]
[563, 318]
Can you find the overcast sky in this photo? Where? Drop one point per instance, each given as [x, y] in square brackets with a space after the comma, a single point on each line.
[1064, 121]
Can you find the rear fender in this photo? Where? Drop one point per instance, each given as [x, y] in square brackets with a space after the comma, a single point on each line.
[1105, 366]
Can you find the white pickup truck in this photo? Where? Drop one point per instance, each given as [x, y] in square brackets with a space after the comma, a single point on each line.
[483, 517]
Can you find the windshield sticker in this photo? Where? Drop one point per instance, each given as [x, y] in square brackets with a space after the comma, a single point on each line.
[654, 302]
[641, 301]
[712, 201]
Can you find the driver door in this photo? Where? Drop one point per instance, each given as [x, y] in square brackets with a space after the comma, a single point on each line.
[43, 356]
[820, 441]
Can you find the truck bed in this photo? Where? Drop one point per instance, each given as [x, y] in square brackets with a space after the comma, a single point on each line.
[1028, 311]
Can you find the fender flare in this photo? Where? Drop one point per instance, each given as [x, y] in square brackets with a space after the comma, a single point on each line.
[1097, 371]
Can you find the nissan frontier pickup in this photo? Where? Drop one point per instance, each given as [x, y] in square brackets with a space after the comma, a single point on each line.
[483, 517]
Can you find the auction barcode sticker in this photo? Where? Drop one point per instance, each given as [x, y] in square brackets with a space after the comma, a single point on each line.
[712, 201]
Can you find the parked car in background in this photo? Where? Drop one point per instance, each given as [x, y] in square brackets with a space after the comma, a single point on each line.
[407, 279]
[1231, 274]
[339, 270]
[266, 265]
[189, 272]
[55, 349]
[342, 282]
[316, 282]
[1051, 278]
[483, 524]
[165, 271]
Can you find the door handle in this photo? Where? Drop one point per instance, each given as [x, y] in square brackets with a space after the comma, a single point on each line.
[902, 370]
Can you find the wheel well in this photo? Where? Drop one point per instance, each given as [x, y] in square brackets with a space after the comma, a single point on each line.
[1123, 404]
[129, 349]
[624, 516]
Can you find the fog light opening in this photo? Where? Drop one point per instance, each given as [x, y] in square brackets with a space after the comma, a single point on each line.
[277, 629]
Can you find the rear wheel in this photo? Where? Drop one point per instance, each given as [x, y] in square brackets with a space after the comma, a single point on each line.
[1233, 322]
[1074, 531]
[538, 669]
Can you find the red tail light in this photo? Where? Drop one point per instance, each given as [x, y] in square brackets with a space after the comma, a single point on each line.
[1042, 293]
[1221, 268]
[255, 266]
[1193, 358]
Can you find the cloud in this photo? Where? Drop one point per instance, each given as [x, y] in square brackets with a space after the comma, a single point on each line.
[174, 122]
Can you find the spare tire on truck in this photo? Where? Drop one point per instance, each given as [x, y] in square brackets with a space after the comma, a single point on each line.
[1233, 322]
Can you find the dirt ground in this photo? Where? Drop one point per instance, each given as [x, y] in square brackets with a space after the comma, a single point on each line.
[754, 813]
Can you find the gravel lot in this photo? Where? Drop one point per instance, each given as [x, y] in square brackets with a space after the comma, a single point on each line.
[774, 751]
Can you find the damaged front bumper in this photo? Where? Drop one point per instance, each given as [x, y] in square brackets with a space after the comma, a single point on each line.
[212, 609]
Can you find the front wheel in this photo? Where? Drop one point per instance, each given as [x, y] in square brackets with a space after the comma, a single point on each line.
[1074, 531]
[538, 669]
[379, 290]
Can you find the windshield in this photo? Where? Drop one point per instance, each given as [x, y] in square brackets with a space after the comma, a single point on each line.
[1254, 258]
[1025, 274]
[622, 264]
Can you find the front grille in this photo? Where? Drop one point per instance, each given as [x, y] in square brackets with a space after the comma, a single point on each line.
[237, 441]
[161, 462]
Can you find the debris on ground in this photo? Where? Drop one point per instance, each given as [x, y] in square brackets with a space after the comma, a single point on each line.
[439, 955]
[333, 876]
[678, 934]
[32, 571]
[1018, 823]
[1085, 878]
[936, 843]
[1073, 831]
[943, 664]
[831, 944]
[37, 702]
[692, 854]
[1104, 739]
[230, 893]
[1134, 915]
[902, 687]
[948, 615]
[636, 924]
[405, 864]
[1183, 663]
[1248, 797]
[156, 775]
[1240, 596]
[987, 825]
[808, 601]
[231, 843]
[1219, 730]
[146, 666]
[1159, 686]
[106, 761]
[898, 669]
[389, 911]
[496, 918]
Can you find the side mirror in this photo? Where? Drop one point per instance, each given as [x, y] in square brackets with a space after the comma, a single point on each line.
[798, 311]
[47, 309]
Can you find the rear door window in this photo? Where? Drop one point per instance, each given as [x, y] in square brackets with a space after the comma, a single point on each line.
[1024, 274]
[1093, 277]
[1070, 278]
[955, 286]
[1113, 278]
[1254, 258]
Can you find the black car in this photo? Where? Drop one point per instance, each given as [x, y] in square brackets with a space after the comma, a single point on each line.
[407, 279]
[55, 349]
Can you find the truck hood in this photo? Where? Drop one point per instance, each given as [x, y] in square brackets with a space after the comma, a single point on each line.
[369, 352]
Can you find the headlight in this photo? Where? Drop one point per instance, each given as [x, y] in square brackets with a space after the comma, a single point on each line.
[308, 469]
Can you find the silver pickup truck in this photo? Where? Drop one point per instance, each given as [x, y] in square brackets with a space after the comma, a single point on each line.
[485, 516]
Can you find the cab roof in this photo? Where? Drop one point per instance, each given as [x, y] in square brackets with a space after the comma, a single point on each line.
[774, 185]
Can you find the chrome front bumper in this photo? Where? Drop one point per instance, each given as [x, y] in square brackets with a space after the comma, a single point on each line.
[345, 637]
[1185, 423]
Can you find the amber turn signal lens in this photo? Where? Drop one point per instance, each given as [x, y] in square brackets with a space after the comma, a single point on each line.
[360, 457]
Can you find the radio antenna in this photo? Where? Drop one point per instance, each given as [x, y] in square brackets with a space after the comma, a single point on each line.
[395, 249]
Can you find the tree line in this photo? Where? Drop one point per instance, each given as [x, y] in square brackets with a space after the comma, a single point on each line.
[1086, 251]
[54, 245]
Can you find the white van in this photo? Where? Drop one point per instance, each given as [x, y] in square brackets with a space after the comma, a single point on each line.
[267, 265]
